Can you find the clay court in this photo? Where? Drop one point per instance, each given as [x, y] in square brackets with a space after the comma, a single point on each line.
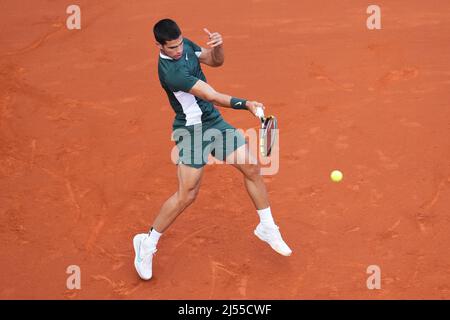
[85, 151]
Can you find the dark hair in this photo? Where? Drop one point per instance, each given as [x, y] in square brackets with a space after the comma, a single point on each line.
[166, 30]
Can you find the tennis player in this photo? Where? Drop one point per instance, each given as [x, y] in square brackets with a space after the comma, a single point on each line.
[193, 100]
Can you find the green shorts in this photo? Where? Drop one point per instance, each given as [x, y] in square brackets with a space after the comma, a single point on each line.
[196, 142]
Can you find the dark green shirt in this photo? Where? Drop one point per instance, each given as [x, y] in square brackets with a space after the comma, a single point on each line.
[177, 77]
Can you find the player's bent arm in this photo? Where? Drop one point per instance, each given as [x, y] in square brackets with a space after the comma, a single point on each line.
[210, 57]
[204, 91]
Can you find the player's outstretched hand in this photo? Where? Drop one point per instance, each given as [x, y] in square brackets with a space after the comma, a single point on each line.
[215, 38]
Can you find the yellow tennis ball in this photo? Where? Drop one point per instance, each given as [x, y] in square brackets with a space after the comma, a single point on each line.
[336, 176]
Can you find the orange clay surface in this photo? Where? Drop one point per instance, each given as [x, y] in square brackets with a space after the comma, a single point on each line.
[85, 151]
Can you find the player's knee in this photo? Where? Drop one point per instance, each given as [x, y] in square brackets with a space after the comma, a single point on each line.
[192, 195]
[252, 171]
[187, 197]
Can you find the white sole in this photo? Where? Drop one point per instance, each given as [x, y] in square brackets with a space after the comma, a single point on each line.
[279, 252]
[136, 250]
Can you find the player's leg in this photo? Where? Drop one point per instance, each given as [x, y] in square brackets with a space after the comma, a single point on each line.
[243, 160]
[230, 146]
[189, 179]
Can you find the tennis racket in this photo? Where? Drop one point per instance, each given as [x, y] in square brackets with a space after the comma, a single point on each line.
[268, 134]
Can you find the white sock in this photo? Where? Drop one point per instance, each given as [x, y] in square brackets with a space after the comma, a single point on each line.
[265, 216]
[153, 237]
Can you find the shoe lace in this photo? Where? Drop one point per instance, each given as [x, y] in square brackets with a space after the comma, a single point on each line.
[274, 232]
[144, 253]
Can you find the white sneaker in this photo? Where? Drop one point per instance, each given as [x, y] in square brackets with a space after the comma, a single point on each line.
[144, 256]
[272, 236]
